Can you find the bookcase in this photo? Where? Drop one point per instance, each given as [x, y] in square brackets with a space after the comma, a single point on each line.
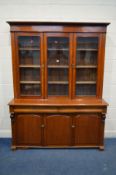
[58, 80]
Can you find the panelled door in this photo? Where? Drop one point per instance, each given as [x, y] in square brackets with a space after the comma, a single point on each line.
[58, 130]
[28, 129]
[29, 65]
[87, 129]
[58, 61]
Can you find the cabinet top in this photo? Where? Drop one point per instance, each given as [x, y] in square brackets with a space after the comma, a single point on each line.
[59, 102]
[34, 26]
[58, 23]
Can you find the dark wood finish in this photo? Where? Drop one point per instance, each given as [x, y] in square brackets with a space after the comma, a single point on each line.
[57, 130]
[25, 136]
[76, 119]
[87, 129]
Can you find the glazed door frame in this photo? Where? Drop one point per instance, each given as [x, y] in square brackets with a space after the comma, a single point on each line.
[16, 66]
[100, 63]
[60, 35]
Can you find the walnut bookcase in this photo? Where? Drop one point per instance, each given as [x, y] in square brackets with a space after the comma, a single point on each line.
[58, 79]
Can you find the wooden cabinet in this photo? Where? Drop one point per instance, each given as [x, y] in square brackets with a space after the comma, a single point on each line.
[58, 81]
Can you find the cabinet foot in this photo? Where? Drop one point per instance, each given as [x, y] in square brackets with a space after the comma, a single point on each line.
[101, 148]
[13, 148]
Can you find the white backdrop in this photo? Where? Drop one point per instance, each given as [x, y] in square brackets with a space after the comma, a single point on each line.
[57, 10]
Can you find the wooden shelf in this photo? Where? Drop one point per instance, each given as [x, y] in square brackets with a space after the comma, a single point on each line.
[58, 66]
[86, 66]
[65, 49]
[85, 82]
[29, 82]
[29, 66]
[26, 95]
[87, 49]
[29, 49]
[58, 82]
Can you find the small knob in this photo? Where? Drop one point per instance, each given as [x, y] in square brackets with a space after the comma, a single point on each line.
[57, 60]
[42, 126]
[73, 126]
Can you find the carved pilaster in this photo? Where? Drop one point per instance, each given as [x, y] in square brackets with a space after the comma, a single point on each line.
[12, 116]
[103, 117]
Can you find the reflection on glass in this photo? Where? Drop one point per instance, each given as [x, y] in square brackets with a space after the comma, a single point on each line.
[86, 66]
[58, 64]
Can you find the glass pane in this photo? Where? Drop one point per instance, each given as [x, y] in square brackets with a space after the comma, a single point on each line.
[28, 42]
[59, 89]
[29, 64]
[58, 66]
[29, 57]
[30, 89]
[86, 65]
[30, 74]
[58, 75]
[58, 43]
[86, 74]
[85, 90]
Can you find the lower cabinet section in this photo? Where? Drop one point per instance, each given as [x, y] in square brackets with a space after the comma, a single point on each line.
[57, 130]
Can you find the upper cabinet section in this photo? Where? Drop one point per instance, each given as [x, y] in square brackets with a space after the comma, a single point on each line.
[60, 60]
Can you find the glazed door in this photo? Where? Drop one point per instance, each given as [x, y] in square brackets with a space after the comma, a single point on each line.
[28, 129]
[29, 65]
[58, 52]
[87, 65]
[58, 131]
[87, 130]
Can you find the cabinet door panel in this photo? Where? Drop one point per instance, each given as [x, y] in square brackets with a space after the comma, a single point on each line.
[87, 129]
[58, 67]
[86, 64]
[28, 129]
[29, 61]
[58, 130]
